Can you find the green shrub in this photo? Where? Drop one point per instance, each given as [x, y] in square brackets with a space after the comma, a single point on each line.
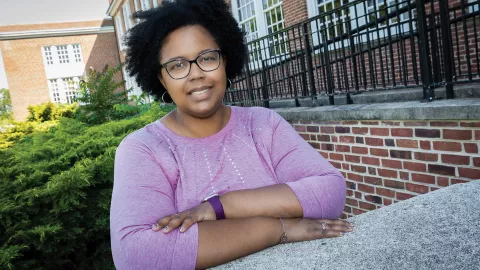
[55, 191]
[49, 111]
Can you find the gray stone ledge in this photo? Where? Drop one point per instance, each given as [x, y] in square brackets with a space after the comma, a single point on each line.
[438, 230]
[451, 109]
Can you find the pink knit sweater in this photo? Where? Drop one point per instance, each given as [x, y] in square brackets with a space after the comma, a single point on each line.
[158, 173]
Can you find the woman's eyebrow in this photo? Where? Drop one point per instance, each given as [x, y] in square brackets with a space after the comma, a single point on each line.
[183, 58]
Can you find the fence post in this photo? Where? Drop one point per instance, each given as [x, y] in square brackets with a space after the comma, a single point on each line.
[425, 65]
[249, 84]
[308, 55]
[266, 101]
[329, 73]
[447, 48]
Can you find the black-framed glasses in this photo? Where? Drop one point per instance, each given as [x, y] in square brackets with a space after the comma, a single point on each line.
[180, 68]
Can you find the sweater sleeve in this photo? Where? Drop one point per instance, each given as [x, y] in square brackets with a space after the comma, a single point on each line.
[319, 187]
[141, 195]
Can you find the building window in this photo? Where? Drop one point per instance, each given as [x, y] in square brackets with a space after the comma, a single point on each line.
[77, 53]
[119, 28]
[145, 4]
[383, 8]
[47, 55]
[62, 53]
[155, 3]
[334, 23]
[63, 90]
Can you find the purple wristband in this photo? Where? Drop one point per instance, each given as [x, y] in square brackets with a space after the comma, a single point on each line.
[217, 206]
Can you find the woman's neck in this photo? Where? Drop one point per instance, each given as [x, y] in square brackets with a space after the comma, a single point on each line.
[194, 127]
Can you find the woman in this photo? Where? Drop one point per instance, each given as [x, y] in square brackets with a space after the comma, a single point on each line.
[217, 182]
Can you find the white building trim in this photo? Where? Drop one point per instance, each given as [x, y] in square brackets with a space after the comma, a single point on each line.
[56, 32]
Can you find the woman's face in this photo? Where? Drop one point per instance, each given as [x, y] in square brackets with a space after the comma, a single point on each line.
[201, 92]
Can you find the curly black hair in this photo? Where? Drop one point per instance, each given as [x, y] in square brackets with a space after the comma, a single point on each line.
[145, 40]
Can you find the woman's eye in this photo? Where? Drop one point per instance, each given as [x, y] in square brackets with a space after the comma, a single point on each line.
[177, 65]
[208, 59]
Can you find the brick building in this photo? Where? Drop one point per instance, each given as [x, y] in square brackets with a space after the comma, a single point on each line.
[44, 61]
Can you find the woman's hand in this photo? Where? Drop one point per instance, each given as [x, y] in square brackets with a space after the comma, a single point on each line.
[303, 229]
[185, 219]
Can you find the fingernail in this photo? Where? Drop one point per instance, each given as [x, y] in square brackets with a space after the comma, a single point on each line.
[182, 229]
[165, 229]
[154, 226]
[341, 233]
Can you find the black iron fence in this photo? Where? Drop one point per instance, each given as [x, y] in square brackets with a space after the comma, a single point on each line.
[365, 46]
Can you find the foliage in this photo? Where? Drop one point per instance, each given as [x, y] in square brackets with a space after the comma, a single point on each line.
[55, 191]
[98, 95]
[49, 111]
[5, 105]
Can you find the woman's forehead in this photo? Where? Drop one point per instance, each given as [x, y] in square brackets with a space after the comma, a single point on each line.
[187, 42]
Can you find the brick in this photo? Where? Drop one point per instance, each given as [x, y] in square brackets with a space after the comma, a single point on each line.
[402, 132]
[416, 188]
[380, 131]
[447, 146]
[400, 154]
[369, 123]
[407, 143]
[313, 129]
[350, 193]
[359, 150]
[471, 148]
[352, 158]
[347, 209]
[358, 195]
[426, 156]
[374, 141]
[334, 139]
[390, 163]
[327, 147]
[372, 180]
[350, 122]
[390, 123]
[469, 173]
[346, 166]
[379, 152]
[442, 181]
[415, 166]
[328, 130]
[372, 171]
[342, 129]
[385, 192]
[373, 199]
[476, 161]
[387, 202]
[300, 128]
[315, 145]
[456, 134]
[427, 133]
[470, 124]
[433, 189]
[358, 211]
[477, 134]
[323, 138]
[351, 202]
[367, 206]
[404, 196]
[423, 178]
[357, 130]
[387, 173]
[359, 169]
[336, 164]
[443, 124]
[458, 181]
[336, 156]
[371, 161]
[313, 137]
[365, 188]
[342, 148]
[390, 142]
[359, 140]
[455, 159]
[404, 176]
[355, 177]
[304, 136]
[347, 139]
[351, 185]
[324, 154]
[426, 145]
[393, 184]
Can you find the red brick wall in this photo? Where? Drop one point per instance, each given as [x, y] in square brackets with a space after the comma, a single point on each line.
[389, 161]
[25, 69]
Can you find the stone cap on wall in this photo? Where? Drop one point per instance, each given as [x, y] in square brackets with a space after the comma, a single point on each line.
[447, 109]
[437, 230]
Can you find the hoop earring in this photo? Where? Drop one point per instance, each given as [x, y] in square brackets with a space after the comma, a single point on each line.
[163, 100]
[229, 84]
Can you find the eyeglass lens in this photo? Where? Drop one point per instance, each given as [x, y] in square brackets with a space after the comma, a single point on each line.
[207, 61]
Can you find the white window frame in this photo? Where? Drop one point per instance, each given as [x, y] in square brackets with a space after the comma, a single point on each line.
[120, 32]
[62, 90]
[473, 8]
[260, 14]
[155, 3]
[127, 16]
[137, 8]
